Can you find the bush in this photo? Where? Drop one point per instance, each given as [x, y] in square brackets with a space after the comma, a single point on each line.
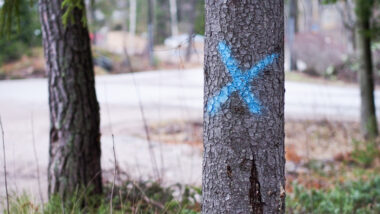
[359, 197]
[365, 153]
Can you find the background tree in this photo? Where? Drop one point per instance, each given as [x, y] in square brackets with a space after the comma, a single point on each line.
[292, 30]
[74, 156]
[244, 163]
[151, 31]
[132, 24]
[368, 122]
[365, 31]
[173, 17]
[347, 15]
[193, 16]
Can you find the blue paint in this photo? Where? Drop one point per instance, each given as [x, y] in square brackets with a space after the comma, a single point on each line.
[240, 81]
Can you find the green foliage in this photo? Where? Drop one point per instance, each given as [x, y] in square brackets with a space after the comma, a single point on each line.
[364, 9]
[200, 19]
[131, 197]
[18, 42]
[329, 1]
[70, 6]
[364, 153]
[9, 9]
[150, 197]
[361, 196]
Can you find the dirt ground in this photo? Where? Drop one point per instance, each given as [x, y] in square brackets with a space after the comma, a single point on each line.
[304, 139]
[317, 151]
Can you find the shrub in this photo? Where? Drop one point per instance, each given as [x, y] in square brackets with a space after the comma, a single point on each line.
[359, 197]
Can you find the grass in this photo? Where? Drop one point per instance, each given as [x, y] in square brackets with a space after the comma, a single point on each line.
[348, 187]
[348, 184]
[131, 197]
[362, 196]
[365, 153]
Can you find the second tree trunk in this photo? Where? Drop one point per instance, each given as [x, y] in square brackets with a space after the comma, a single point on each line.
[74, 155]
[368, 120]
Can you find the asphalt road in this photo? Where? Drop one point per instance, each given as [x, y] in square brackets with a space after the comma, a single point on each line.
[165, 96]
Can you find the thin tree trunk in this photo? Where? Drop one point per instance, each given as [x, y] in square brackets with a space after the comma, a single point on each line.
[93, 20]
[244, 161]
[368, 111]
[293, 13]
[74, 154]
[173, 17]
[193, 15]
[316, 15]
[151, 31]
[132, 25]
[308, 15]
[292, 29]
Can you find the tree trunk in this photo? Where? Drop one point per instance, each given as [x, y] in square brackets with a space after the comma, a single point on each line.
[292, 29]
[173, 17]
[368, 120]
[132, 25]
[293, 13]
[244, 161]
[151, 31]
[193, 15]
[74, 155]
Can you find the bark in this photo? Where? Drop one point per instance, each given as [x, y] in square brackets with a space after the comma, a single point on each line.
[74, 154]
[368, 120]
[244, 163]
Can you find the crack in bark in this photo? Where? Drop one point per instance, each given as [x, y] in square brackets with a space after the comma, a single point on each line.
[254, 191]
[229, 171]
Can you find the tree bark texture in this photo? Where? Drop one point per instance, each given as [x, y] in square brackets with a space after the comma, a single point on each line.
[368, 120]
[74, 154]
[244, 161]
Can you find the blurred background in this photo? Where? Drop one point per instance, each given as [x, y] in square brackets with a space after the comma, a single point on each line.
[151, 97]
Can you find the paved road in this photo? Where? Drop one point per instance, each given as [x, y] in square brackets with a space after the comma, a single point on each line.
[165, 95]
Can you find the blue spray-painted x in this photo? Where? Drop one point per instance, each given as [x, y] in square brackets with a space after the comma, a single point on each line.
[240, 81]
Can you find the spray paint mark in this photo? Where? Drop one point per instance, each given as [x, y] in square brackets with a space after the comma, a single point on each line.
[240, 81]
